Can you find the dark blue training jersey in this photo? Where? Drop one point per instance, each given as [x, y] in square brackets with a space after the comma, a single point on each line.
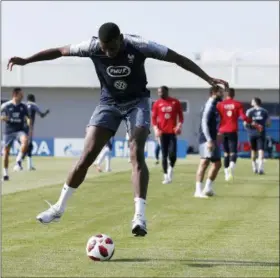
[209, 121]
[122, 78]
[258, 115]
[33, 109]
[16, 116]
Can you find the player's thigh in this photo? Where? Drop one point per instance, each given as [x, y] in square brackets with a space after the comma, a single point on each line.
[107, 117]
[226, 143]
[233, 142]
[22, 137]
[173, 144]
[164, 143]
[9, 139]
[253, 142]
[261, 143]
[139, 116]
[213, 155]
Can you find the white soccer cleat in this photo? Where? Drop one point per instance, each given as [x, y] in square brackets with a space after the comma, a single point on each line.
[17, 168]
[170, 173]
[139, 227]
[108, 170]
[166, 179]
[208, 192]
[49, 215]
[199, 194]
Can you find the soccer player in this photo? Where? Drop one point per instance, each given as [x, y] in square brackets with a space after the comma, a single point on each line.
[257, 137]
[208, 147]
[230, 110]
[106, 154]
[119, 63]
[167, 119]
[14, 114]
[33, 109]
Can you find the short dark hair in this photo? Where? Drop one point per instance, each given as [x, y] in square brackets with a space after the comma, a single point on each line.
[214, 89]
[16, 91]
[164, 88]
[108, 32]
[231, 92]
[31, 97]
[257, 101]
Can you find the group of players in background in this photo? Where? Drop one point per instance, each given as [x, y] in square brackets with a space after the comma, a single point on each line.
[218, 126]
[19, 118]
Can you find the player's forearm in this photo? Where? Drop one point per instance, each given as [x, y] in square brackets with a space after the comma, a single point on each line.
[187, 64]
[49, 54]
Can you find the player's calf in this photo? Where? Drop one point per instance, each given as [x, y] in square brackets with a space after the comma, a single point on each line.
[213, 172]
[202, 167]
[95, 140]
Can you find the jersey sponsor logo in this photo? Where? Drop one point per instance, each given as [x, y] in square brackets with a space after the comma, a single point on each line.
[229, 106]
[167, 109]
[118, 71]
[120, 85]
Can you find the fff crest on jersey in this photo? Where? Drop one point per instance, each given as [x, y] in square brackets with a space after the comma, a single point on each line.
[130, 58]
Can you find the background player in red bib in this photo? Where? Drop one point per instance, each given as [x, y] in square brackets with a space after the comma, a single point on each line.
[230, 110]
[167, 120]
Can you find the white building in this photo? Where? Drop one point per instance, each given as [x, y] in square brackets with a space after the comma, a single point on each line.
[70, 89]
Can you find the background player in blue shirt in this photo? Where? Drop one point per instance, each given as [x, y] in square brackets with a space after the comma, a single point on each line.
[209, 149]
[14, 113]
[257, 138]
[119, 63]
[33, 109]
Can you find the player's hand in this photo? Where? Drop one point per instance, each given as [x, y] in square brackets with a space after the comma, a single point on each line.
[257, 126]
[177, 130]
[215, 82]
[5, 118]
[210, 146]
[157, 132]
[16, 61]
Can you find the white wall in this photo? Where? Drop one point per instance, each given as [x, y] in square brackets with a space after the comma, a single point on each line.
[80, 73]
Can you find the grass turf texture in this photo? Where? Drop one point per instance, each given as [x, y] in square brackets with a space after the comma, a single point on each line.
[235, 234]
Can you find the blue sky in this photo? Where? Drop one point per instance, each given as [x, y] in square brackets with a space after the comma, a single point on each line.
[187, 27]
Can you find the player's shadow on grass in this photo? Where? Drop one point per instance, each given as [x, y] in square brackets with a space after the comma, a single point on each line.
[204, 262]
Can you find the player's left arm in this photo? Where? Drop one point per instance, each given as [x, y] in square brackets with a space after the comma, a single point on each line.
[155, 119]
[242, 114]
[40, 112]
[160, 52]
[180, 115]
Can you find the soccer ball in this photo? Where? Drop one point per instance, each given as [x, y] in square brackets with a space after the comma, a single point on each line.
[100, 248]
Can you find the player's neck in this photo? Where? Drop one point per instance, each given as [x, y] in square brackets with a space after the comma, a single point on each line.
[15, 102]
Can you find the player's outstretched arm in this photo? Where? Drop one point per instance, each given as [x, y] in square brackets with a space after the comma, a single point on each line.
[189, 65]
[45, 55]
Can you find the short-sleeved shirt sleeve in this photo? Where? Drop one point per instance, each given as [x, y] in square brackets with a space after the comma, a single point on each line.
[148, 48]
[84, 48]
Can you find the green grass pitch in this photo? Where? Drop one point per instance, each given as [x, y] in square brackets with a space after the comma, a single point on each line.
[234, 234]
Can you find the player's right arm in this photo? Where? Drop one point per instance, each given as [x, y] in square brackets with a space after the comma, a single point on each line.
[205, 124]
[81, 50]
[155, 118]
[4, 116]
